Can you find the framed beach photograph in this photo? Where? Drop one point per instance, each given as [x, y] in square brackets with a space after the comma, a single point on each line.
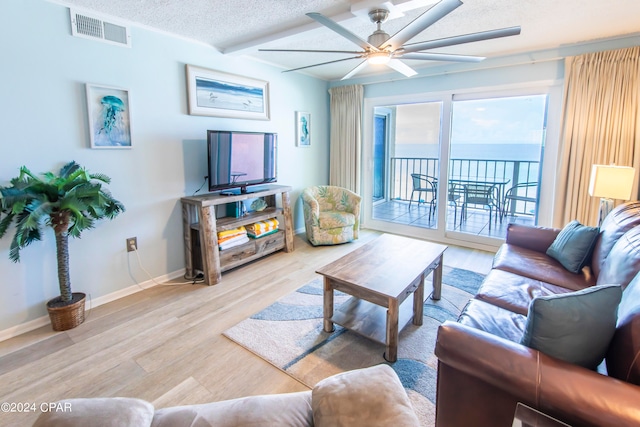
[109, 116]
[303, 129]
[218, 94]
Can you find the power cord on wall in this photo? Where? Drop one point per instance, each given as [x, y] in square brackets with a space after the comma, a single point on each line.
[203, 183]
[198, 279]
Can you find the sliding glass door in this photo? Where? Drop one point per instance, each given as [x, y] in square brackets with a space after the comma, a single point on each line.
[412, 144]
[495, 161]
[456, 166]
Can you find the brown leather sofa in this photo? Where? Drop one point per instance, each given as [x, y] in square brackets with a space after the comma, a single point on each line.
[484, 371]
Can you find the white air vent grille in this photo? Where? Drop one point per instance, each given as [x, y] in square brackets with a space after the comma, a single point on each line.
[88, 26]
[115, 33]
[92, 27]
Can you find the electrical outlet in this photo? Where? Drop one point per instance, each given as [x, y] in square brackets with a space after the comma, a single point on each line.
[132, 244]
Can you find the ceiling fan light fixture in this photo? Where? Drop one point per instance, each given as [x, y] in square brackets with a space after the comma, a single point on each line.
[379, 58]
[382, 49]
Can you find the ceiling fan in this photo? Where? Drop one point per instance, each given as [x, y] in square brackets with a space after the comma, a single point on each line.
[381, 48]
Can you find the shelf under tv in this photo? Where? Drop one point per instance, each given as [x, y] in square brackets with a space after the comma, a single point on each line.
[201, 226]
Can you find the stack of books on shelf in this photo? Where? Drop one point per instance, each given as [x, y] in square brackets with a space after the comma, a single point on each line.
[262, 228]
[231, 238]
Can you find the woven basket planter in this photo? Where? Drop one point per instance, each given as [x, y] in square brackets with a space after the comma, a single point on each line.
[65, 317]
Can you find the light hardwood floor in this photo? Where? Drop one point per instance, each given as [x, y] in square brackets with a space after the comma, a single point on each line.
[165, 344]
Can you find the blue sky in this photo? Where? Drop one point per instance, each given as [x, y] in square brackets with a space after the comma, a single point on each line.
[518, 120]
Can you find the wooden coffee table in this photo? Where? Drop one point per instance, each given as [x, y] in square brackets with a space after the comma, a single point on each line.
[380, 276]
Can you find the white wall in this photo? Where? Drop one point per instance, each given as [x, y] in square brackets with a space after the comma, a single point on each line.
[44, 125]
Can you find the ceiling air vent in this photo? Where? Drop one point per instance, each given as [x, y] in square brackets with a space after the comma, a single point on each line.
[92, 27]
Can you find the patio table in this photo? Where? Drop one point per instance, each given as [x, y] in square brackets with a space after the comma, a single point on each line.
[499, 182]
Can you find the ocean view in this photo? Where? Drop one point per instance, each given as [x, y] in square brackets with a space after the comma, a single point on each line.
[521, 152]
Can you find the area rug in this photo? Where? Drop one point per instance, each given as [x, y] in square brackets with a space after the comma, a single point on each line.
[289, 335]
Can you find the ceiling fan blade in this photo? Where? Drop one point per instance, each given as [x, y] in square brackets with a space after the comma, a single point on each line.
[356, 70]
[401, 67]
[465, 38]
[332, 25]
[353, 52]
[322, 63]
[434, 14]
[442, 57]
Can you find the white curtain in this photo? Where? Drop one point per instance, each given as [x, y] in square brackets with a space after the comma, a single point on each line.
[601, 126]
[346, 136]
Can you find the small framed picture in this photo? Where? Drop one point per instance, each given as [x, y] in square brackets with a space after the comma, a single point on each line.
[109, 116]
[303, 129]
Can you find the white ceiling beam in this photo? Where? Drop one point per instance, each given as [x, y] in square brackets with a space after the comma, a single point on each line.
[397, 7]
[251, 45]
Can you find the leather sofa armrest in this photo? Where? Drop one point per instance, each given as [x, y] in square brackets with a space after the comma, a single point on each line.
[494, 360]
[568, 392]
[585, 397]
[531, 237]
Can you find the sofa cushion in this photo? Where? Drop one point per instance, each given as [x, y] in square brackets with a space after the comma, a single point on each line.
[98, 412]
[287, 410]
[514, 292]
[620, 220]
[336, 219]
[576, 327]
[623, 356]
[532, 237]
[574, 245]
[364, 397]
[623, 261]
[493, 319]
[540, 266]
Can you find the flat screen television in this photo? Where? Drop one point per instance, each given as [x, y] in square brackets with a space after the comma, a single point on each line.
[241, 159]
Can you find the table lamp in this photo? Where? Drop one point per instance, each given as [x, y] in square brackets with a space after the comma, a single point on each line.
[610, 182]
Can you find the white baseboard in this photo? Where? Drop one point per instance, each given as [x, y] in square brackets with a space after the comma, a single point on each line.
[22, 328]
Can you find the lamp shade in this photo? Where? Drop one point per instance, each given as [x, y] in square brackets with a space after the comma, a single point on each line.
[611, 182]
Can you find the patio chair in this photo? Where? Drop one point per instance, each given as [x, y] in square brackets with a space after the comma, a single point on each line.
[484, 195]
[456, 192]
[424, 184]
[520, 193]
[429, 184]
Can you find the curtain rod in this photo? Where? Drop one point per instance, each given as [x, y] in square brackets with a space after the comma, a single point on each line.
[443, 73]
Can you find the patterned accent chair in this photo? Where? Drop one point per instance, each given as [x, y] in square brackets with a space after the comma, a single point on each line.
[331, 214]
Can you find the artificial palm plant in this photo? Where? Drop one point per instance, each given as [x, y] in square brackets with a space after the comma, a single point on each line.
[69, 202]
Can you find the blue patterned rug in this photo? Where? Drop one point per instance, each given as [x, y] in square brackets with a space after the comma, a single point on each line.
[289, 335]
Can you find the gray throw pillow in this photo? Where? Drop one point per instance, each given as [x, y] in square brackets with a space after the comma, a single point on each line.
[574, 245]
[576, 327]
[372, 397]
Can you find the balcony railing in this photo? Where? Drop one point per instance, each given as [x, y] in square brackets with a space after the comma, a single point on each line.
[514, 171]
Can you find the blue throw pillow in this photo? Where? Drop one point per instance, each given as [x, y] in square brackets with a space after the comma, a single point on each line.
[576, 327]
[574, 245]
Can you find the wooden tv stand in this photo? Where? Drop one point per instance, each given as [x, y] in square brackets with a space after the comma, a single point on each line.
[201, 231]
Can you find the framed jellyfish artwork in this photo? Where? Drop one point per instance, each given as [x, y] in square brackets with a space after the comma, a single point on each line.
[109, 117]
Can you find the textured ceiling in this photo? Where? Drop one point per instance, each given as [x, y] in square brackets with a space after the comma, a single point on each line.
[241, 27]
